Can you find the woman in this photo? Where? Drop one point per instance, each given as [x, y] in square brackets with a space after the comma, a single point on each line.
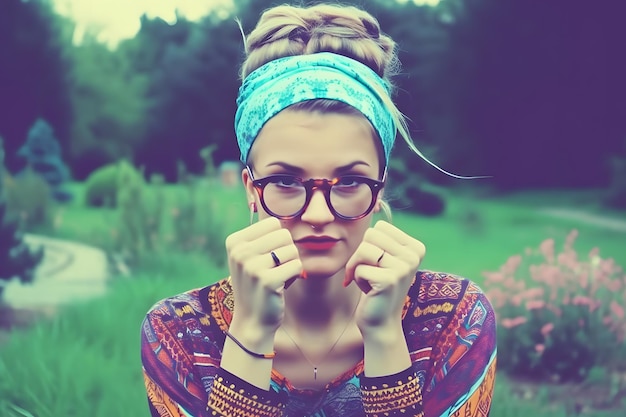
[323, 314]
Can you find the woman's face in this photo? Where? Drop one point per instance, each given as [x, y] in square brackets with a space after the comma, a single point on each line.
[317, 145]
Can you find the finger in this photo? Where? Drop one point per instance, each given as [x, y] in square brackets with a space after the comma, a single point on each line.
[262, 247]
[414, 246]
[366, 253]
[253, 232]
[374, 279]
[281, 255]
[385, 242]
[278, 277]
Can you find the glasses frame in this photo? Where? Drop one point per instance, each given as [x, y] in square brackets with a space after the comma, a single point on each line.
[310, 186]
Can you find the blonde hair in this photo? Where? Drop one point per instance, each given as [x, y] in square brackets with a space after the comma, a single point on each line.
[346, 30]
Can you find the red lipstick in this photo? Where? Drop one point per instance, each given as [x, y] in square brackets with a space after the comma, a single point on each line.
[317, 243]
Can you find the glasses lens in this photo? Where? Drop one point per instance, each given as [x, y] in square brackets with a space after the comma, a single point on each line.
[351, 197]
[284, 195]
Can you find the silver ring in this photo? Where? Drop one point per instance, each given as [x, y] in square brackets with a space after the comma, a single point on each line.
[275, 258]
[380, 258]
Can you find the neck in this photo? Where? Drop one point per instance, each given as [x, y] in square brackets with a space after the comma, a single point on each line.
[318, 301]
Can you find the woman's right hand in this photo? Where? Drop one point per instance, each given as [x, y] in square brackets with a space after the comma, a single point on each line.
[258, 283]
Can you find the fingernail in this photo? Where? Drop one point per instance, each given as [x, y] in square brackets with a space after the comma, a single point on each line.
[303, 274]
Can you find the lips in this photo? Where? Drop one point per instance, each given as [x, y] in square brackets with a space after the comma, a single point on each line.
[317, 243]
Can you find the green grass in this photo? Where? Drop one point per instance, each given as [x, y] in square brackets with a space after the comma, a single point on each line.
[85, 360]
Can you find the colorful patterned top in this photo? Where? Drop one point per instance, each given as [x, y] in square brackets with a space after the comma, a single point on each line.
[450, 331]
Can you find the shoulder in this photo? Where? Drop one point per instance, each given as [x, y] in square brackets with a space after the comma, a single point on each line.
[193, 310]
[439, 292]
[439, 303]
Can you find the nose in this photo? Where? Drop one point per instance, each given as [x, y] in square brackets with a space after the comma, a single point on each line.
[317, 212]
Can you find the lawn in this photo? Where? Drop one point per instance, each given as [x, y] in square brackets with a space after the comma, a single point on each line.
[85, 360]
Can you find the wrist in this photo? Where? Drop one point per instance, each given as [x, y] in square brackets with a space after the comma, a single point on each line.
[254, 337]
[388, 343]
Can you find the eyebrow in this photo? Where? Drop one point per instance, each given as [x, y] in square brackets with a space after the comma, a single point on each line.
[299, 170]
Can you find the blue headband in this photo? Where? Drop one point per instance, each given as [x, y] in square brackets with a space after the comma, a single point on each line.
[290, 80]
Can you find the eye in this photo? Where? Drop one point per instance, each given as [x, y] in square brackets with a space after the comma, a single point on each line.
[347, 182]
[286, 181]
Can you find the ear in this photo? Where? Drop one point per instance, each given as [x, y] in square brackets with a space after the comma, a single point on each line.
[379, 202]
[247, 183]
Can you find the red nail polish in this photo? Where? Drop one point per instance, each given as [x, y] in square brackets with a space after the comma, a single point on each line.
[303, 274]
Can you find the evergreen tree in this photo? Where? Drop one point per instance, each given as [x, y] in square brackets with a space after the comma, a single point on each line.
[43, 155]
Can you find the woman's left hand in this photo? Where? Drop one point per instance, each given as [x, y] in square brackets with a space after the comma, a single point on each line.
[383, 266]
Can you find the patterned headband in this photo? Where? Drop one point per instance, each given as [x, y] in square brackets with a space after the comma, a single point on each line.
[290, 80]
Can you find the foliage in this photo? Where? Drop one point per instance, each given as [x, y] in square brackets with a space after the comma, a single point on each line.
[17, 260]
[147, 224]
[43, 157]
[109, 99]
[28, 198]
[559, 315]
[517, 93]
[102, 184]
[33, 73]
[405, 191]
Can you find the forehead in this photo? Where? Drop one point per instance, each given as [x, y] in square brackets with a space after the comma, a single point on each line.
[316, 141]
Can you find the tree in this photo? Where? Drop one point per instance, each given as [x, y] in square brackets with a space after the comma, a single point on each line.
[109, 100]
[43, 156]
[32, 74]
[542, 85]
[16, 257]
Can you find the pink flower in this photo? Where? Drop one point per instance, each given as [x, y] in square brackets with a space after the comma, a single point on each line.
[535, 304]
[617, 309]
[494, 277]
[536, 292]
[581, 300]
[593, 253]
[511, 264]
[571, 237]
[547, 249]
[540, 348]
[546, 329]
[557, 311]
[514, 322]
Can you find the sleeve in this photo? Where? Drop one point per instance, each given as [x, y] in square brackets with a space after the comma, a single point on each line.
[393, 395]
[464, 361]
[182, 380]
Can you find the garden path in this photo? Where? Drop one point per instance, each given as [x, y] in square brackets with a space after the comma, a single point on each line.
[69, 272]
[615, 224]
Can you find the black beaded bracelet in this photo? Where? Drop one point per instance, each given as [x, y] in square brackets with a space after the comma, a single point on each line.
[248, 351]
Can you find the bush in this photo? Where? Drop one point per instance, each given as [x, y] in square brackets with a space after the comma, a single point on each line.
[405, 192]
[16, 258]
[102, 185]
[28, 199]
[43, 156]
[559, 315]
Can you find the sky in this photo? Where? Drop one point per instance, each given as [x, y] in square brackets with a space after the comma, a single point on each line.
[114, 20]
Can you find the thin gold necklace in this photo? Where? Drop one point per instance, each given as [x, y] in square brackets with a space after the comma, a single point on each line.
[315, 367]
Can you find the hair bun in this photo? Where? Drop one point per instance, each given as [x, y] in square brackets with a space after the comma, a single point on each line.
[346, 30]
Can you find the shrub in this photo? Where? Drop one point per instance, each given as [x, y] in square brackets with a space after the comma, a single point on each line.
[16, 258]
[28, 198]
[102, 185]
[43, 156]
[405, 191]
[559, 315]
